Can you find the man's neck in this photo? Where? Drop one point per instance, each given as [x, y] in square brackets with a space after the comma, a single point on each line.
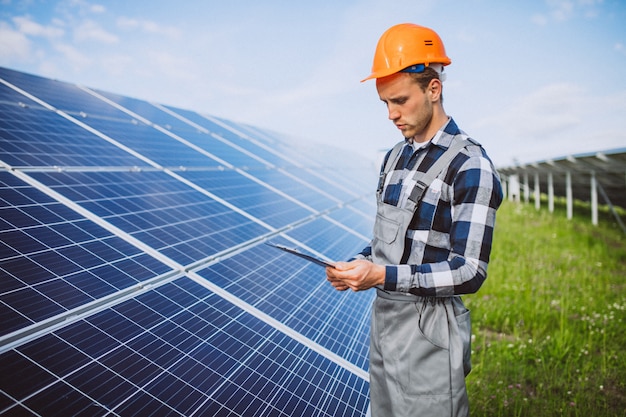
[438, 121]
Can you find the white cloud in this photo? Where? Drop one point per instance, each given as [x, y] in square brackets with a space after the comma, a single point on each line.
[72, 57]
[97, 8]
[148, 26]
[13, 44]
[561, 9]
[82, 7]
[590, 2]
[117, 64]
[60, 24]
[29, 27]
[555, 120]
[547, 110]
[539, 19]
[92, 31]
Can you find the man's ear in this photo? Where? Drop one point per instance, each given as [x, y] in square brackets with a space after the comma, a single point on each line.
[434, 89]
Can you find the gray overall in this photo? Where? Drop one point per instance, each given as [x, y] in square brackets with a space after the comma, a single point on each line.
[419, 346]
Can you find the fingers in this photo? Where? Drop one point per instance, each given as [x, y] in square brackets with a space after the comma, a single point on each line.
[339, 286]
[358, 275]
[340, 266]
[340, 283]
[350, 275]
[334, 280]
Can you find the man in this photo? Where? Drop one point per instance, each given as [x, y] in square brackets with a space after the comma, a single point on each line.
[425, 253]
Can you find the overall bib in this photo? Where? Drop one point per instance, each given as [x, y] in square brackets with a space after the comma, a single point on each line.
[419, 346]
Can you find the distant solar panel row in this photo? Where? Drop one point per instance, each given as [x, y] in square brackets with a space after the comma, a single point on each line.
[133, 278]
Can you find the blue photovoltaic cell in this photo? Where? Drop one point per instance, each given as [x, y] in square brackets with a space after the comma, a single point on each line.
[264, 153]
[168, 215]
[33, 136]
[355, 219]
[295, 292]
[224, 150]
[63, 96]
[149, 142]
[325, 183]
[149, 112]
[357, 216]
[266, 137]
[299, 190]
[327, 238]
[340, 168]
[114, 123]
[54, 260]
[260, 201]
[176, 350]
[12, 97]
[95, 322]
[362, 177]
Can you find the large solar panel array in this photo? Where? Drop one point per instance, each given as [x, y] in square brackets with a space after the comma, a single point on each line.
[134, 278]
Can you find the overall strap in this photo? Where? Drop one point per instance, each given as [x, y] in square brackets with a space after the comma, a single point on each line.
[393, 155]
[423, 180]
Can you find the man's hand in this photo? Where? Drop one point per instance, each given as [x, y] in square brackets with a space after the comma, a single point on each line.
[357, 275]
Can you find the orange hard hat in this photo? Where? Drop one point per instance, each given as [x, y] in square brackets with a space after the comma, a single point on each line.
[404, 45]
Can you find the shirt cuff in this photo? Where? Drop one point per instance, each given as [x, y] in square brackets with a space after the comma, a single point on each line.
[398, 278]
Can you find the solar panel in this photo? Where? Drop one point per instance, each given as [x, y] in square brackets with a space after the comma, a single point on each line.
[231, 135]
[178, 350]
[156, 208]
[34, 136]
[54, 260]
[133, 275]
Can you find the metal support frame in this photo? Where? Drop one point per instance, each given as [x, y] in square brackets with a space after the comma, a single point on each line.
[537, 192]
[569, 195]
[579, 177]
[594, 199]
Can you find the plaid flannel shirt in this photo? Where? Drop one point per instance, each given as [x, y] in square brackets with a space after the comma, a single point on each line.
[449, 239]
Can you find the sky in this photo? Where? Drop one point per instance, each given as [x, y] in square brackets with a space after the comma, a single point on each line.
[530, 80]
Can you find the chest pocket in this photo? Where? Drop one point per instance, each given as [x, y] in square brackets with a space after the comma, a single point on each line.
[389, 231]
[434, 211]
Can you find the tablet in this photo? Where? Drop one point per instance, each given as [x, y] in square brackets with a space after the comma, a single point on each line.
[309, 258]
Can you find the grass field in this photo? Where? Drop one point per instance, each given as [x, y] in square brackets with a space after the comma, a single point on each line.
[549, 323]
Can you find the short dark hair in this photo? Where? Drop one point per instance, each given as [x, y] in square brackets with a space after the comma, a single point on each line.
[424, 78]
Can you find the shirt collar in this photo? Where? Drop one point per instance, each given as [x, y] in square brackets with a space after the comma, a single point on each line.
[440, 138]
[443, 138]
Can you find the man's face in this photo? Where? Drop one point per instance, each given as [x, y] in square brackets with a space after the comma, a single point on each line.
[410, 108]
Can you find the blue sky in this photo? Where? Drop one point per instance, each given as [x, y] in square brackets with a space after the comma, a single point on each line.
[530, 80]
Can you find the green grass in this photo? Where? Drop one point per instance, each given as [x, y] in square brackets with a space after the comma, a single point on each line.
[549, 323]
